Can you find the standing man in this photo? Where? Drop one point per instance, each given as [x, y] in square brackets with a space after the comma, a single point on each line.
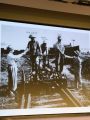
[34, 50]
[60, 56]
[44, 52]
[12, 70]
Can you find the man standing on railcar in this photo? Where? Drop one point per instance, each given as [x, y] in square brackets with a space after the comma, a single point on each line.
[34, 50]
[60, 57]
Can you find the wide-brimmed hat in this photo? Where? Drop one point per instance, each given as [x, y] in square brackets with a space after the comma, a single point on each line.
[30, 36]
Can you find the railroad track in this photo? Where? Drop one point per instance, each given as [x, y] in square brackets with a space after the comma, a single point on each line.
[63, 98]
[70, 98]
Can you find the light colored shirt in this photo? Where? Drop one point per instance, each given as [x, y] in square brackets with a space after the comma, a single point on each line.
[11, 57]
[59, 47]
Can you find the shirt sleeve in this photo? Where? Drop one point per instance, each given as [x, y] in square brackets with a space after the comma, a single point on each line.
[16, 56]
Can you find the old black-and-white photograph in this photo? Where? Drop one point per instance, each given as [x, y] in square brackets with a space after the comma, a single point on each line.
[44, 66]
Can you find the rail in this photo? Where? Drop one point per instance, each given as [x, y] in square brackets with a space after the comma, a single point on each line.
[68, 96]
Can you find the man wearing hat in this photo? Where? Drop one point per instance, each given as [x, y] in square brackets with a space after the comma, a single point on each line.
[34, 50]
[58, 45]
[60, 56]
[13, 70]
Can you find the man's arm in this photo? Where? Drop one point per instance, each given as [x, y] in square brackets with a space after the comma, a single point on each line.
[20, 55]
[66, 56]
[28, 46]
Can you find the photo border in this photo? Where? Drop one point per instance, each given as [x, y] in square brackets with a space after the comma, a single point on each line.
[47, 111]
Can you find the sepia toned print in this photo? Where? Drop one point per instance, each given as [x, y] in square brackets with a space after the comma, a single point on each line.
[44, 66]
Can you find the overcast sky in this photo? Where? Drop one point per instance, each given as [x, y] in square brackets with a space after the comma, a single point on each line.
[16, 35]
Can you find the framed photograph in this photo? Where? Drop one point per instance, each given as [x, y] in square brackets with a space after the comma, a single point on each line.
[45, 69]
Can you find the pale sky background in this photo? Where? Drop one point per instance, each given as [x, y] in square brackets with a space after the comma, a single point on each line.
[16, 35]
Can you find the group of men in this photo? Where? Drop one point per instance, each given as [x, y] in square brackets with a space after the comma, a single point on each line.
[35, 50]
[59, 53]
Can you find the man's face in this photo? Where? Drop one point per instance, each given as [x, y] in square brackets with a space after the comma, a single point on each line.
[59, 40]
[32, 39]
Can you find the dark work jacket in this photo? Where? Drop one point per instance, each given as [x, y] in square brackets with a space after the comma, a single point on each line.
[33, 47]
